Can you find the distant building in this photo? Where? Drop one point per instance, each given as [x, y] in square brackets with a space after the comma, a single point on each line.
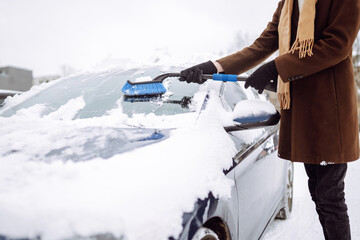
[12, 78]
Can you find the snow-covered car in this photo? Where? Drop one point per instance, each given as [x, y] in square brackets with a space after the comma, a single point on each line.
[6, 93]
[80, 161]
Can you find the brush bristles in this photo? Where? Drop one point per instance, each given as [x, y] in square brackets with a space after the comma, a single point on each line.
[146, 89]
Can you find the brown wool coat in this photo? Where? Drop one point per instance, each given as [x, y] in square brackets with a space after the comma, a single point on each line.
[322, 123]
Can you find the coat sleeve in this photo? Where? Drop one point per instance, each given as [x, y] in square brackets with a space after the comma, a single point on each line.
[333, 47]
[265, 45]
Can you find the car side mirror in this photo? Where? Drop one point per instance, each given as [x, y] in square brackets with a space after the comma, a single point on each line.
[251, 114]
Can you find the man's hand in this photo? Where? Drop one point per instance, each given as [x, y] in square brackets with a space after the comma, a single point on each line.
[193, 74]
[262, 76]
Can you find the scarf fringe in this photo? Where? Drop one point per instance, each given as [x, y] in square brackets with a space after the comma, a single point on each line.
[284, 100]
[304, 47]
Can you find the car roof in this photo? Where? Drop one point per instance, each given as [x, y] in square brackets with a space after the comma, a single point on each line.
[4, 93]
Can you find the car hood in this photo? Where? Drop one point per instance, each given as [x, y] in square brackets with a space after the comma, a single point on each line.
[105, 143]
[94, 142]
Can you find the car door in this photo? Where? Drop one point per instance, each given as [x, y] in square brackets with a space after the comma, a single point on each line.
[255, 172]
[255, 175]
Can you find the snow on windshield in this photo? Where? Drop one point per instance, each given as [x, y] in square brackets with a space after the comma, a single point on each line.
[101, 91]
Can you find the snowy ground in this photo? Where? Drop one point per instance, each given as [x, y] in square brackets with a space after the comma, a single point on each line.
[303, 223]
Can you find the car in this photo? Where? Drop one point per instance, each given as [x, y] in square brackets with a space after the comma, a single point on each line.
[6, 93]
[82, 161]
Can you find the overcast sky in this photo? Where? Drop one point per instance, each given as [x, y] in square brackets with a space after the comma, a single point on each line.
[42, 35]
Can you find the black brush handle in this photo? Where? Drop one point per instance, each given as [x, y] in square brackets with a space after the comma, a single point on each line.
[217, 77]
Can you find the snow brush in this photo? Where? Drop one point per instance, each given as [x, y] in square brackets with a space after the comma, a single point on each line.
[155, 87]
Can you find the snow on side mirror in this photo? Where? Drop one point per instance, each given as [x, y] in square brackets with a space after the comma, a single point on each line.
[250, 114]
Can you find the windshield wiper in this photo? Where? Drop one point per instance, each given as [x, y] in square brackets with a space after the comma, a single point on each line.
[184, 102]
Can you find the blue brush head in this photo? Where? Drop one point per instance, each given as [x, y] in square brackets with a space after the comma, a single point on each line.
[143, 89]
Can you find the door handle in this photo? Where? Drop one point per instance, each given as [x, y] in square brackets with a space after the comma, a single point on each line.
[269, 146]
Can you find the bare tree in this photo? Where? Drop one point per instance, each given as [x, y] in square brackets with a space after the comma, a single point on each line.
[241, 40]
[66, 70]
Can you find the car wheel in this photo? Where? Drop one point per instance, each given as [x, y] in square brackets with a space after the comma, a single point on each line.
[204, 233]
[213, 229]
[285, 211]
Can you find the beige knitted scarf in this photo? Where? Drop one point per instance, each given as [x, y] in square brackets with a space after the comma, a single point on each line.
[304, 40]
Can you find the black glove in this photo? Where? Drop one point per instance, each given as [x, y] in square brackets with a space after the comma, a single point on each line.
[193, 74]
[265, 75]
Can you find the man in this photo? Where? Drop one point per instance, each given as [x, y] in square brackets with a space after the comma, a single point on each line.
[316, 90]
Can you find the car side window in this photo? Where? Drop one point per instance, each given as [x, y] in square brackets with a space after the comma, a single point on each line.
[255, 93]
[233, 93]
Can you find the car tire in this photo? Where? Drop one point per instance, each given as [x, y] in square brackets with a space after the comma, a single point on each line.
[205, 233]
[285, 211]
[214, 229]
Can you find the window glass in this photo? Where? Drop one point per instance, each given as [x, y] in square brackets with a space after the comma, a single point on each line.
[233, 93]
[101, 92]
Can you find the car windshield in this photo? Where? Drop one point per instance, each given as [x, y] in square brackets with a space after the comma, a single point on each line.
[102, 92]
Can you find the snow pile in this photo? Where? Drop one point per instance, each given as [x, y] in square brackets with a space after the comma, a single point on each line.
[143, 79]
[69, 110]
[141, 194]
[250, 108]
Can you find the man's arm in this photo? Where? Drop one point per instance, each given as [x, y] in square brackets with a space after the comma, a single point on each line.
[334, 46]
[261, 49]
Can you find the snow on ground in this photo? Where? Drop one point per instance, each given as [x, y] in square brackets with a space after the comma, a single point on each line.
[303, 223]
